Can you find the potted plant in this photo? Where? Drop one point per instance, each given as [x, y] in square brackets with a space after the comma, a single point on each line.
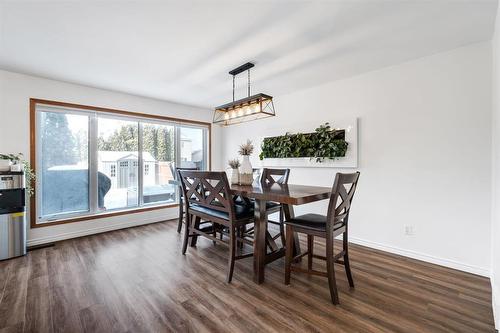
[246, 170]
[5, 162]
[16, 163]
[10, 162]
[234, 164]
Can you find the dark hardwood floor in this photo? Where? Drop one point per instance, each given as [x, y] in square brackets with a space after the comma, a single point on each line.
[136, 280]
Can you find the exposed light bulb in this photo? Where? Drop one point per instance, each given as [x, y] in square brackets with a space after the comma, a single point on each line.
[226, 115]
[240, 112]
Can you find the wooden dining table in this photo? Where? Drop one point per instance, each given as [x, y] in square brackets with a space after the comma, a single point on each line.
[288, 195]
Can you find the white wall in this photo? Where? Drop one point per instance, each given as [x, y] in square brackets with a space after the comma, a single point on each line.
[495, 221]
[424, 153]
[15, 92]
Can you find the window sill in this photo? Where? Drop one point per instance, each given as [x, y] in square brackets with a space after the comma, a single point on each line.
[102, 215]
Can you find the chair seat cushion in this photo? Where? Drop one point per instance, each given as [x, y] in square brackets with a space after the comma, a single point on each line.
[271, 204]
[241, 211]
[251, 202]
[311, 221]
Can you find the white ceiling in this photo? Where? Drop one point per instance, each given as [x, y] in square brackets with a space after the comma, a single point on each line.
[182, 50]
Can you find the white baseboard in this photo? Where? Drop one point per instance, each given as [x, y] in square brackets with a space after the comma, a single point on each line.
[424, 257]
[137, 222]
[97, 230]
[495, 302]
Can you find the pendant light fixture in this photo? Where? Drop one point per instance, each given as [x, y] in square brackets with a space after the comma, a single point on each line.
[245, 109]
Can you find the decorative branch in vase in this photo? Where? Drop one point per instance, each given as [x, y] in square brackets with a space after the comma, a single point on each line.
[234, 164]
[246, 170]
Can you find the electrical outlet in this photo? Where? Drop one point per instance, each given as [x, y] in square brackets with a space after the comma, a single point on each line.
[409, 230]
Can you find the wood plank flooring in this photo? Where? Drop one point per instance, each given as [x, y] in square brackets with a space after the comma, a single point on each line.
[136, 280]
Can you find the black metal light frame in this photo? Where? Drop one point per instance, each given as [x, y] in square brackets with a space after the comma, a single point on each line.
[246, 109]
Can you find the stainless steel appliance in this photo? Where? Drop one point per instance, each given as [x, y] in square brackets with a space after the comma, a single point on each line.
[12, 215]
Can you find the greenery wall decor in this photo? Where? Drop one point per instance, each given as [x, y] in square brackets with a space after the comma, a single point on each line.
[324, 143]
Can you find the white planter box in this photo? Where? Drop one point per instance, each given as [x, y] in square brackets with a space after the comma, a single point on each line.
[306, 162]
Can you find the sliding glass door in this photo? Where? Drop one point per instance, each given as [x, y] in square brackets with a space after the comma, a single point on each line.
[63, 166]
[118, 162]
[158, 161]
[192, 147]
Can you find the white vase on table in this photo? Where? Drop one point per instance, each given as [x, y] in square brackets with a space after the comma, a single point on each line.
[246, 171]
[235, 176]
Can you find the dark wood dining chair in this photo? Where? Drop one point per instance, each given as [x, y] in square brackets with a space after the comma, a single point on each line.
[268, 178]
[330, 226]
[207, 197]
[175, 174]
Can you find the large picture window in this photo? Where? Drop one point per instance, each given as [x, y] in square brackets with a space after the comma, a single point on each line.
[93, 161]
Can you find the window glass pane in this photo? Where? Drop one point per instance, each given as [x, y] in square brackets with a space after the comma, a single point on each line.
[158, 159]
[63, 173]
[192, 152]
[118, 164]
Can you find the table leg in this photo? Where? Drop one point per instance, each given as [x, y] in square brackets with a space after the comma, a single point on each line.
[259, 245]
[290, 214]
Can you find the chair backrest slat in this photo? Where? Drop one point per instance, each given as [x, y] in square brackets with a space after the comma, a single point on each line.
[343, 191]
[175, 170]
[271, 176]
[207, 189]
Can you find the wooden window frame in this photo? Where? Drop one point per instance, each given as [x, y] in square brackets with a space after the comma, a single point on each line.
[33, 157]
